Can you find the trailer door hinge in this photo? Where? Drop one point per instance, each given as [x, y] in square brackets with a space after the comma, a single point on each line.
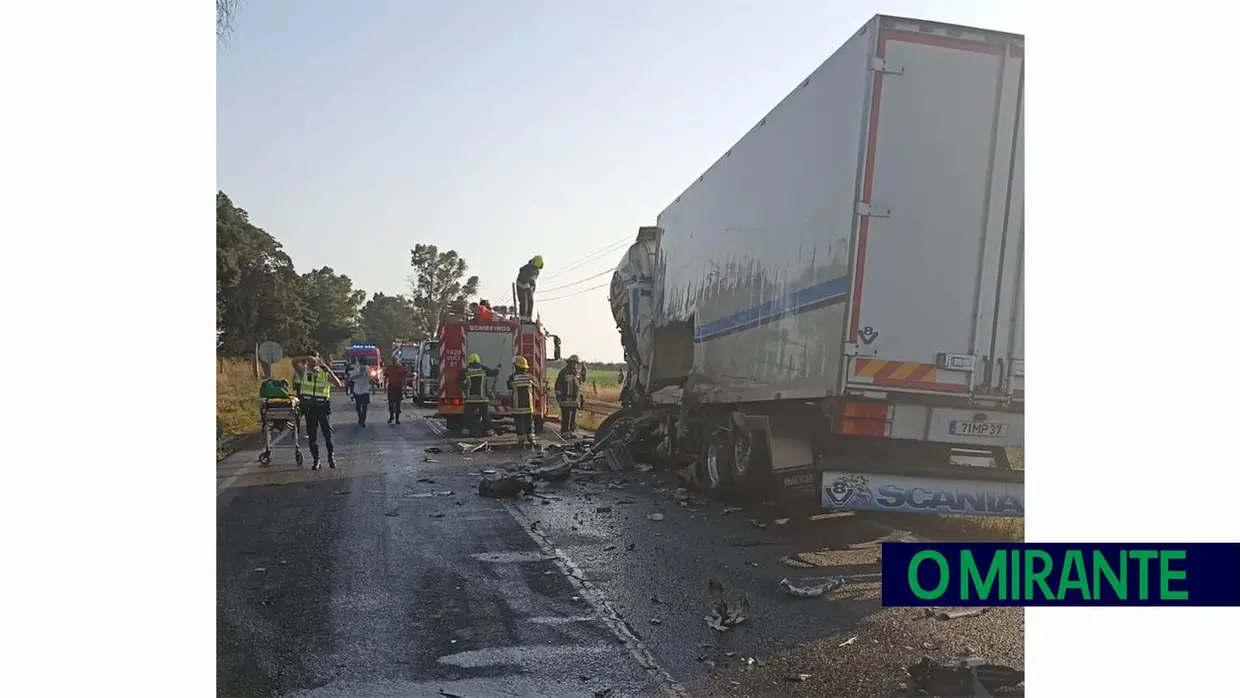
[881, 65]
[865, 208]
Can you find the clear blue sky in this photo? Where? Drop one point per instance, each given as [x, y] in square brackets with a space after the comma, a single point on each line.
[352, 130]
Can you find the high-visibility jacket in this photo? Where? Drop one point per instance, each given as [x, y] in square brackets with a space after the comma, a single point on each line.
[315, 387]
[522, 386]
[474, 383]
[568, 388]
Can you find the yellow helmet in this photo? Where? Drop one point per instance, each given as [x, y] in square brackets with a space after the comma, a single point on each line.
[520, 362]
[537, 261]
[475, 359]
[573, 359]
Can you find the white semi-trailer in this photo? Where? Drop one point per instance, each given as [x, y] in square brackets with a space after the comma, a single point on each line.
[835, 308]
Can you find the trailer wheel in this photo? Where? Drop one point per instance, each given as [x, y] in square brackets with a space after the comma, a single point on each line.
[717, 465]
[749, 461]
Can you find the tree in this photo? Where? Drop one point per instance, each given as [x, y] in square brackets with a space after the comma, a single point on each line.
[334, 307]
[436, 281]
[388, 318]
[257, 290]
[225, 13]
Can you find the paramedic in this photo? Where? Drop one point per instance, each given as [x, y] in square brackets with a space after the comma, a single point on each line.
[568, 394]
[395, 374]
[527, 279]
[315, 396]
[521, 385]
[473, 382]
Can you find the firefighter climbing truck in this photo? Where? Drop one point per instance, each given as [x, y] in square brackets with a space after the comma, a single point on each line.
[834, 311]
[496, 342]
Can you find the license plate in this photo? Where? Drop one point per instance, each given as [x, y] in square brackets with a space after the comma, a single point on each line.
[989, 430]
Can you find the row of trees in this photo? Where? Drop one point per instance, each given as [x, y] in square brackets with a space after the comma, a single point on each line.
[260, 295]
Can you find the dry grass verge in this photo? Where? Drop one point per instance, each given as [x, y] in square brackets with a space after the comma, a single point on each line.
[236, 395]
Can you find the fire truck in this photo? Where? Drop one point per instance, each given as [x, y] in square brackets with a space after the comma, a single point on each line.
[496, 342]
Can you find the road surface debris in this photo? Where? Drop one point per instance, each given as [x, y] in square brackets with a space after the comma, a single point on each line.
[726, 611]
[811, 590]
[971, 678]
[510, 487]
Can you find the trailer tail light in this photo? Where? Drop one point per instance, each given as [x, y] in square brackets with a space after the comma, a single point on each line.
[865, 427]
[866, 419]
[455, 401]
[867, 410]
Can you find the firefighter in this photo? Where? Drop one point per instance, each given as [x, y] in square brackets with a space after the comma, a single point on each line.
[568, 395]
[521, 385]
[527, 280]
[473, 382]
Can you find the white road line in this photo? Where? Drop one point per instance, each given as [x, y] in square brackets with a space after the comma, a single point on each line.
[593, 596]
[249, 467]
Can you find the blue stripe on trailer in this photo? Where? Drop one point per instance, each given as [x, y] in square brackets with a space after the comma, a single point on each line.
[814, 297]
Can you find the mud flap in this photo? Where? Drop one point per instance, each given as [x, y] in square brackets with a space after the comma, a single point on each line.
[799, 485]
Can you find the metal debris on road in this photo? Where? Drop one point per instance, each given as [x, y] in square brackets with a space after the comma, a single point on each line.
[602, 693]
[654, 517]
[433, 449]
[656, 621]
[438, 515]
[813, 590]
[730, 510]
[796, 678]
[602, 510]
[726, 610]
[756, 523]
[446, 694]
[392, 513]
[971, 678]
[488, 472]
[426, 480]
[428, 459]
[471, 448]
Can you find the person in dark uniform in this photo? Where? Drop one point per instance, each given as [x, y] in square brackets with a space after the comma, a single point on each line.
[568, 395]
[315, 397]
[473, 382]
[521, 385]
[527, 280]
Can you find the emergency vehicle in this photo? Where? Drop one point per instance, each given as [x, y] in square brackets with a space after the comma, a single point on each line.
[426, 388]
[408, 353]
[370, 359]
[496, 342]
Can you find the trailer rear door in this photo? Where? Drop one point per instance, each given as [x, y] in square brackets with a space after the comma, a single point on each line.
[937, 278]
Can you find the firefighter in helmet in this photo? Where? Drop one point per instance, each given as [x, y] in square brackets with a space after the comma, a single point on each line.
[568, 395]
[521, 385]
[527, 280]
[474, 386]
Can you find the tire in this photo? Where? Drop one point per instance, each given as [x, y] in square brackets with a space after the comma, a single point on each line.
[716, 468]
[748, 465]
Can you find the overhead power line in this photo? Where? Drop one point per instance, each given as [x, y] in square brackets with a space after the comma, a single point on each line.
[579, 281]
[593, 256]
[576, 293]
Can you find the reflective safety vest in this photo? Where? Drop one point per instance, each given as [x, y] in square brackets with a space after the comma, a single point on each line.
[569, 389]
[315, 387]
[476, 385]
[522, 393]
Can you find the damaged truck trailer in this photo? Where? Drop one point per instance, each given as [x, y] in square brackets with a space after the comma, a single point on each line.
[833, 312]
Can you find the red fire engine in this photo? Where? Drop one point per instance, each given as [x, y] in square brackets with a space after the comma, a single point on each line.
[496, 342]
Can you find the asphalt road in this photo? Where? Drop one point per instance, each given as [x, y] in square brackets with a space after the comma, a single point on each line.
[392, 577]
